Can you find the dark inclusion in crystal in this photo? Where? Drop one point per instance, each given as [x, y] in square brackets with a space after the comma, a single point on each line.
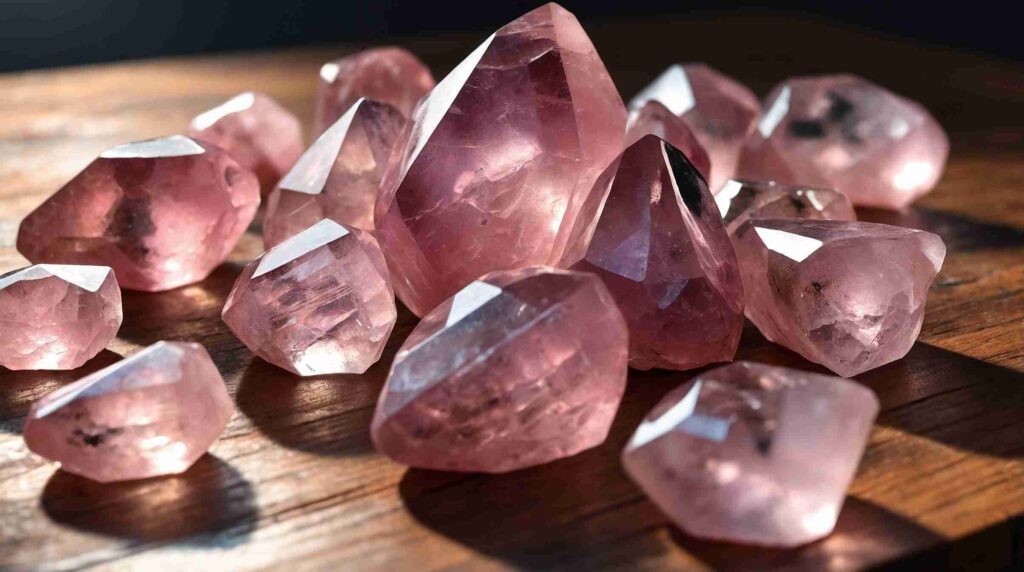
[688, 178]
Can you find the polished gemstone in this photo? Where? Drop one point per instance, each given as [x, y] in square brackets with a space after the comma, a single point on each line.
[500, 159]
[318, 303]
[260, 134]
[519, 368]
[339, 176]
[389, 74]
[55, 316]
[741, 200]
[753, 454]
[847, 295]
[846, 133]
[661, 249]
[162, 213]
[654, 118]
[720, 111]
[154, 413]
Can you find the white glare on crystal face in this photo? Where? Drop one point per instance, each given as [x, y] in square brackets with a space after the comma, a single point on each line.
[329, 72]
[671, 89]
[792, 246]
[775, 114]
[173, 146]
[314, 237]
[469, 299]
[650, 430]
[912, 175]
[725, 196]
[238, 103]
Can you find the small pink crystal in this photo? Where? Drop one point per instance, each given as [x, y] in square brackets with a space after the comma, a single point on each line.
[519, 368]
[339, 176]
[389, 74]
[162, 213]
[654, 118]
[753, 454]
[260, 134]
[741, 200]
[318, 303]
[662, 251]
[720, 111]
[56, 316]
[500, 159]
[847, 295]
[846, 133]
[154, 413]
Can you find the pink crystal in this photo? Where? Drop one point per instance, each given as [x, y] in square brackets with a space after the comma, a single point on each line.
[753, 454]
[318, 303]
[654, 118]
[154, 413]
[846, 133]
[519, 368]
[260, 134]
[162, 213]
[847, 295]
[500, 159]
[721, 112]
[741, 200]
[662, 251]
[339, 176]
[389, 74]
[56, 316]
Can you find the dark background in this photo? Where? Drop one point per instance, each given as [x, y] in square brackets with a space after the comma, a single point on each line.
[46, 33]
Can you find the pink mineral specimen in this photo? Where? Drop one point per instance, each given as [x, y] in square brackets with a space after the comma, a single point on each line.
[56, 316]
[389, 74]
[318, 303]
[154, 413]
[654, 118]
[162, 213]
[720, 111]
[662, 250]
[847, 295]
[339, 176]
[519, 368]
[846, 133]
[741, 200]
[260, 134]
[500, 159]
[753, 454]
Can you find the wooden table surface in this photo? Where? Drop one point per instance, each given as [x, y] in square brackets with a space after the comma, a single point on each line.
[295, 482]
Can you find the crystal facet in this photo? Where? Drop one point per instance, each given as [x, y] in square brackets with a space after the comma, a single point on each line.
[154, 413]
[519, 368]
[389, 74]
[846, 133]
[741, 200]
[318, 303]
[753, 454]
[654, 118]
[720, 111]
[339, 176]
[500, 158]
[162, 213]
[847, 295]
[660, 247]
[56, 316]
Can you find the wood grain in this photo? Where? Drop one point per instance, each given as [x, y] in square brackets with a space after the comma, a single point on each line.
[295, 482]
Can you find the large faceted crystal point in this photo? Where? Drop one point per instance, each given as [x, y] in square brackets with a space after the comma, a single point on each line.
[500, 159]
[741, 200]
[846, 133]
[318, 303]
[753, 454]
[162, 213]
[654, 118]
[339, 177]
[154, 413]
[847, 295]
[57, 316]
[519, 368]
[662, 251]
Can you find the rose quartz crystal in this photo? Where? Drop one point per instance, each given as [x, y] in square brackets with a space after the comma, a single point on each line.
[720, 111]
[260, 134]
[846, 133]
[389, 74]
[660, 247]
[318, 303]
[753, 454]
[654, 118]
[339, 176]
[56, 316]
[519, 368]
[741, 200]
[154, 413]
[162, 213]
[847, 295]
[499, 159]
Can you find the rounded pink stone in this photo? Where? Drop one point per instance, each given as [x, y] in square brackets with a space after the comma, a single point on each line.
[654, 118]
[741, 200]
